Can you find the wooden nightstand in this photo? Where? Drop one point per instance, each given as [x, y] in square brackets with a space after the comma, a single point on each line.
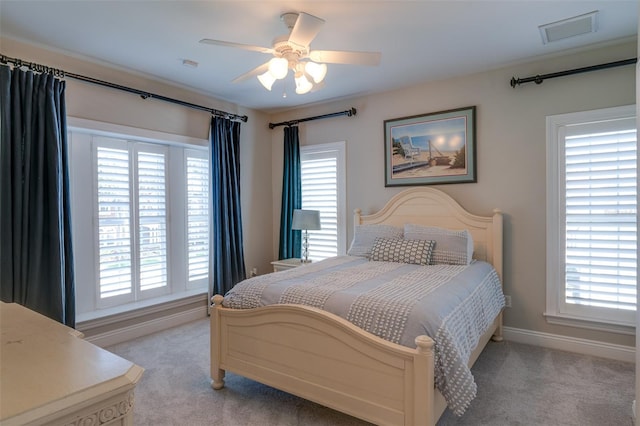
[284, 264]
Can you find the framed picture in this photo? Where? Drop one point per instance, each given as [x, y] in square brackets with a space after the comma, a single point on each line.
[430, 149]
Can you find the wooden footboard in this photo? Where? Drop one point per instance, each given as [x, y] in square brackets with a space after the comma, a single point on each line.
[323, 358]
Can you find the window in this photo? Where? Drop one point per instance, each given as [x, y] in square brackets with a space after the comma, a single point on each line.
[592, 219]
[197, 211]
[140, 218]
[323, 189]
[132, 218]
[114, 222]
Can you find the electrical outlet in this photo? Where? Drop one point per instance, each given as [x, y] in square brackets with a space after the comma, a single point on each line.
[507, 301]
[254, 272]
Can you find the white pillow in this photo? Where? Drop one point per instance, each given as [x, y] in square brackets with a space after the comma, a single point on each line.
[452, 247]
[364, 236]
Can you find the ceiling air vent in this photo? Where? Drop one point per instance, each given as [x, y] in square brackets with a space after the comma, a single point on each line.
[582, 24]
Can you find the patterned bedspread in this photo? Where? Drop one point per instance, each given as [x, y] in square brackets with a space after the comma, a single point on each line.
[454, 305]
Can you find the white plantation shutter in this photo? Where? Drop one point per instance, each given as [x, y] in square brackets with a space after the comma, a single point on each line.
[114, 222]
[131, 188]
[601, 216]
[152, 219]
[140, 207]
[197, 170]
[592, 219]
[320, 173]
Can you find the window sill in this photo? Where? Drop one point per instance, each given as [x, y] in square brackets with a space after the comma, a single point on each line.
[575, 321]
[134, 310]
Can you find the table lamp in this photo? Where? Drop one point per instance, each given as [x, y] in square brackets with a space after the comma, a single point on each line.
[305, 220]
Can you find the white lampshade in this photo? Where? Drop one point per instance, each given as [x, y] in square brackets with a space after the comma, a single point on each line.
[306, 219]
[302, 84]
[279, 67]
[267, 80]
[316, 71]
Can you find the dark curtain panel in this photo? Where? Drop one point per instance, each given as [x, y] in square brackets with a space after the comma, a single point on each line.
[290, 240]
[228, 255]
[36, 262]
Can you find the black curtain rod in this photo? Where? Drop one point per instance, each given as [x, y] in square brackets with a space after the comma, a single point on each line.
[348, 113]
[540, 78]
[145, 95]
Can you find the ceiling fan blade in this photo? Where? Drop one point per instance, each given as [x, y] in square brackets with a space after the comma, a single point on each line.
[345, 57]
[238, 45]
[306, 29]
[260, 69]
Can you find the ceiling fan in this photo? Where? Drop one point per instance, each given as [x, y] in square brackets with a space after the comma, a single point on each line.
[292, 52]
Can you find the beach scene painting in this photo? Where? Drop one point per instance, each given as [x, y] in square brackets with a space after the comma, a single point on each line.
[431, 148]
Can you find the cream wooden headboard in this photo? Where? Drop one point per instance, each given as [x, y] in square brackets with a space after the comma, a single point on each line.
[429, 206]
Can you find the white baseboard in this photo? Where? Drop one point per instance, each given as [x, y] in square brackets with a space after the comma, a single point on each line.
[147, 327]
[571, 344]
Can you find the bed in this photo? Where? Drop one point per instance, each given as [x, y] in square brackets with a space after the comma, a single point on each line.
[325, 358]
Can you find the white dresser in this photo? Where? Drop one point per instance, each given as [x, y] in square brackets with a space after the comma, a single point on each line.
[49, 375]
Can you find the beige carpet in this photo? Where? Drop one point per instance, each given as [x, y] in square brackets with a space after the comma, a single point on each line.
[517, 385]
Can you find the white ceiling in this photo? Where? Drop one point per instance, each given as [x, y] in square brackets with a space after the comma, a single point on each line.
[419, 40]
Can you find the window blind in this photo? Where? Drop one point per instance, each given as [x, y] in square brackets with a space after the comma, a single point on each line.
[152, 219]
[114, 221]
[320, 192]
[132, 209]
[601, 217]
[197, 169]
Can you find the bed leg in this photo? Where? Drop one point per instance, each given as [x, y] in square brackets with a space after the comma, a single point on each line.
[217, 380]
[497, 336]
[217, 374]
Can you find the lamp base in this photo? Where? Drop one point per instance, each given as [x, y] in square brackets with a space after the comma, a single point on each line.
[305, 248]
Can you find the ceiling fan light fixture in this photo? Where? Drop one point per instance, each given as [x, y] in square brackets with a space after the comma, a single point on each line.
[278, 67]
[302, 84]
[292, 51]
[316, 71]
[267, 80]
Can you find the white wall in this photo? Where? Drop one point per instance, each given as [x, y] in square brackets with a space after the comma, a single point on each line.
[510, 156]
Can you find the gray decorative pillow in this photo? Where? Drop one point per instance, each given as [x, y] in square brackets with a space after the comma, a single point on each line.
[364, 236]
[452, 247]
[417, 252]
